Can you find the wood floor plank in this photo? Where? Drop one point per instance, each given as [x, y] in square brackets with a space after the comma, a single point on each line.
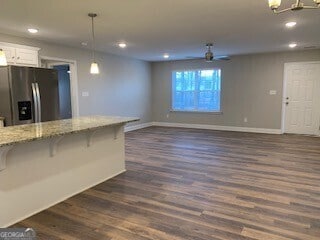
[191, 184]
[256, 234]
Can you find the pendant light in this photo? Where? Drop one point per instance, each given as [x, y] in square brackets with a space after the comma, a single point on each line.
[3, 60]
[94, 69]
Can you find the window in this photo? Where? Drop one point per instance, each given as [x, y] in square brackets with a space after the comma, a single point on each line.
[196, 90]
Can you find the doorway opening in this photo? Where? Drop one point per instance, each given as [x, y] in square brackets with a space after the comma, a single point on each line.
[68, 84]
[301, 98]
[64, 90]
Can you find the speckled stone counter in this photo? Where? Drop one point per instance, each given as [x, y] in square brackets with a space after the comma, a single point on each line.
[32, 132]
[43, 164]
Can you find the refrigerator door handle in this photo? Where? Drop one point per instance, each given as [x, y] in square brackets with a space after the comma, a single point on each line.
[39, 101]
[35, 102]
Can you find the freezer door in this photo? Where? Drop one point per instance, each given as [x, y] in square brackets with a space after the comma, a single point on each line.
[22, 98]
[46, 82]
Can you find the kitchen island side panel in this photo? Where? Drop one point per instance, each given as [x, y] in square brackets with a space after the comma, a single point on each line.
[34, 180]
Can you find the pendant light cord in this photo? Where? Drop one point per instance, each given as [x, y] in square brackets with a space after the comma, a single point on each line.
[93, 40]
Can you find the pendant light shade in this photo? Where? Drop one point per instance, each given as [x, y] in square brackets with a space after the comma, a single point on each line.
[3, 60]
[94, 69]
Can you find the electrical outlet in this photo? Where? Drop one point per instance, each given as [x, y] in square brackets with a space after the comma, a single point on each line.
[245, 120]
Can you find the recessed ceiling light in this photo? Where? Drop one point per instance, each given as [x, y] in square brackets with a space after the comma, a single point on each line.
[33, 30]
[166, 55]
[292, 45]
[122, 45]
[290, 24]
[84, 44]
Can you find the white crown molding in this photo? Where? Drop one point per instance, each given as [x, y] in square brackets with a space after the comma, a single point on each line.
[7, 44]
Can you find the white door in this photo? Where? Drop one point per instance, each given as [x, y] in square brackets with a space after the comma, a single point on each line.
[302, 98]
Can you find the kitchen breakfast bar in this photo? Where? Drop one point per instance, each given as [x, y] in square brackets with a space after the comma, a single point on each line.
[45, 163]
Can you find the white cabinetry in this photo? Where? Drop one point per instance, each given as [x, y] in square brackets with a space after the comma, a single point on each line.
[20, 55]
[10, 53]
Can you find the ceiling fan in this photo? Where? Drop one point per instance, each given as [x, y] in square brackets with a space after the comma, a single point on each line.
[209, 57]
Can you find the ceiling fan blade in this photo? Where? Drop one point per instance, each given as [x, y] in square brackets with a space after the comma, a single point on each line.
[218, 58]
[192, 57]
[222, 58]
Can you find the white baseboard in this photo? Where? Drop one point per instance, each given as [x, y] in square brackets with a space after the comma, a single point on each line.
[217, 127]
[203, 126]
[136, 127]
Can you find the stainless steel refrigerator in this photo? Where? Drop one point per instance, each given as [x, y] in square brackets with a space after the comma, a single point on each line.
[28, 95]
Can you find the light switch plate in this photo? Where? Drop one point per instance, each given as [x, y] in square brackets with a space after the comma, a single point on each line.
[273, 92]
[85, 94]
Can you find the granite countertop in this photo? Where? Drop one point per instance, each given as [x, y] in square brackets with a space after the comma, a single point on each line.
[35, 131]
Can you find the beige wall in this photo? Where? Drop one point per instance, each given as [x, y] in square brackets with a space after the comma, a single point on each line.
[123, 88]
[127, 87]
[246, 82]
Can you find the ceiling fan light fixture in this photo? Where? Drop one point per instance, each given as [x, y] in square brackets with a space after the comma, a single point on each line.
[298, 5]
[3, 59]
[209, 54]
[274, 4]
[94, 69]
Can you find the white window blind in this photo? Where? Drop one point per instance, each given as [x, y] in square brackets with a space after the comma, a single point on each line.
[196, 90]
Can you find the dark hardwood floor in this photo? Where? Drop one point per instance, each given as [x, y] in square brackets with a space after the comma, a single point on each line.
[198, 185]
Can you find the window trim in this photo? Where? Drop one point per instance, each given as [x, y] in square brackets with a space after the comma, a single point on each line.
[220, 112]
[201, 112]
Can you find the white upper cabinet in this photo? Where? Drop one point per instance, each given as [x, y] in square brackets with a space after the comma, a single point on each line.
[20, 55]
[10, 53]
[26, 56]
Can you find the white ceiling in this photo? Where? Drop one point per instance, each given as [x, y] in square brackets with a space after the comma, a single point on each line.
[154, 27]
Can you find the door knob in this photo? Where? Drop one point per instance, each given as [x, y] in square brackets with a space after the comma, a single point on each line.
[287, 98]
[287, 103]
